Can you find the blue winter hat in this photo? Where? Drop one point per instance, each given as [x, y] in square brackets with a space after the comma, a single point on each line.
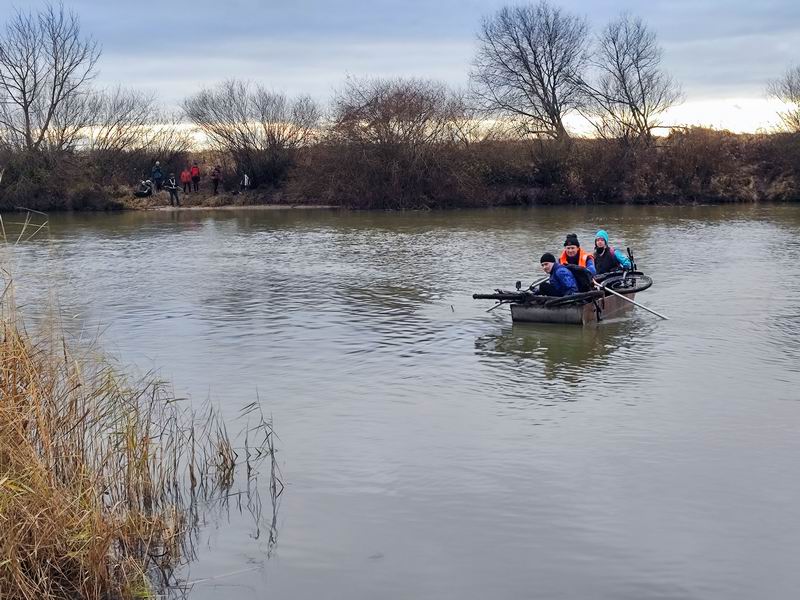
[601, 234]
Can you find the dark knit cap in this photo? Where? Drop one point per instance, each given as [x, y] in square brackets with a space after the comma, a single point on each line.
[572, 240]
[547, 257]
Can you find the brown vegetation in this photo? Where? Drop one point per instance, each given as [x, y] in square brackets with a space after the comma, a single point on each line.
[101, 478]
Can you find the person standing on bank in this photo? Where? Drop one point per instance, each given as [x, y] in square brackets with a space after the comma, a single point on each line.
[606, 258]
[186, 180]
[156, 176]
[172, 188]
[561, 282]
[195, 173]
[216, 176]
[575, 255]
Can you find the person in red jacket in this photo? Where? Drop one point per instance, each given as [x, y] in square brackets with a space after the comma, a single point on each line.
[195, 173]
[186, 180]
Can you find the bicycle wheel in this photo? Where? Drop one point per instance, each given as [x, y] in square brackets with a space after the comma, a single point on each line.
[629, 283]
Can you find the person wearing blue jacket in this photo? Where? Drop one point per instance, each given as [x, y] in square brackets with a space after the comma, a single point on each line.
[561, 282]
[606, 258]
[157, 176]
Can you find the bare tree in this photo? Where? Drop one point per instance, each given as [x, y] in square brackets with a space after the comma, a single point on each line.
[397, 143]
[128, 131]
[258, 128]
[529, 65]
[71, 122]
[167, 139]
[787, 90]
[122, 120]
[383, 112]
[631, 91]
[44, 64]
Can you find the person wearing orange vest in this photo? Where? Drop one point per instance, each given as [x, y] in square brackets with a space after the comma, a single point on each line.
[573, 254]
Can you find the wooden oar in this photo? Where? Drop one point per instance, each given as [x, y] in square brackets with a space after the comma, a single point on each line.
[650, 310]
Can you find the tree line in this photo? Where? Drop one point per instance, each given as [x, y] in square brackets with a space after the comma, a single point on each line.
[390, 143]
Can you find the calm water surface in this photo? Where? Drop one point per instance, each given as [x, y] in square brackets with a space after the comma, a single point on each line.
[432, 450]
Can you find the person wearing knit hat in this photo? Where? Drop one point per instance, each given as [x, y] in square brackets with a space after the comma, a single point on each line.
[606, 258]
[574, 255]
[561, 282]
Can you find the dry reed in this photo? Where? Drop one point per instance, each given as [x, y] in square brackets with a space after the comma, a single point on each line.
[101, 476]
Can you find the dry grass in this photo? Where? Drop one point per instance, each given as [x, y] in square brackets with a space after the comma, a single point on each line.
[101, 477]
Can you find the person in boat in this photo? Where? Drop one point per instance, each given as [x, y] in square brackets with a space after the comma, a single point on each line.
[573, 254]
[561, 282]
[144, 190]
[606, 258]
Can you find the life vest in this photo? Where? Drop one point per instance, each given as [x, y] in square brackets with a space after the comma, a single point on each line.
[195, 171]
[583, 256]
[186, 177]
[582, 275]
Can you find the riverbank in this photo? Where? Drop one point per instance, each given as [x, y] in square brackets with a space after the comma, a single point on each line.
[687, 167]
[193, 202]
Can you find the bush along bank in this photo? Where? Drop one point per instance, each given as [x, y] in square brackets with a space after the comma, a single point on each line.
[688, 166]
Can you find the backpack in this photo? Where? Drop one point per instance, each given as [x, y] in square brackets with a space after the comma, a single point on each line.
[583, 277]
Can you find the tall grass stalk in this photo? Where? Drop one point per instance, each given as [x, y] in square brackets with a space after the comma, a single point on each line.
[101, 476]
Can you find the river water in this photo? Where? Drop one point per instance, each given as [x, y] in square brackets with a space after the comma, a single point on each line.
[433, 450]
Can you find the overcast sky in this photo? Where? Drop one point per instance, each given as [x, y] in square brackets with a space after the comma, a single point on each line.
[722, 52]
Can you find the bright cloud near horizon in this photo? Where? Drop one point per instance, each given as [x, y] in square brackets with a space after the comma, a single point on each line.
[722, 53]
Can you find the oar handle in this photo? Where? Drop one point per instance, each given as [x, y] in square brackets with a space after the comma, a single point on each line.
[535, 283]
[650, 310]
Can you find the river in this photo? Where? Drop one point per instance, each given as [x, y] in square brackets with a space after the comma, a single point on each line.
[431, 450]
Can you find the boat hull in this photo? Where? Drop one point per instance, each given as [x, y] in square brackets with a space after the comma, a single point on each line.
[575, 314]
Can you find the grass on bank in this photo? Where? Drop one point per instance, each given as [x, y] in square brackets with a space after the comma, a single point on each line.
[101, 476]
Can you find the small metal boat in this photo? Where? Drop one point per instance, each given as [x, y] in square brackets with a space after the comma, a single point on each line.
[579, 309]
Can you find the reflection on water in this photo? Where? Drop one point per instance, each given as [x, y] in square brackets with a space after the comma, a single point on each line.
[562, 351]
[432, 450]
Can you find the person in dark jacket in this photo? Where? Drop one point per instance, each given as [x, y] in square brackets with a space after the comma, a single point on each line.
[157, 176]
[172, 188]
[144, 190]
[216, 176]
[606, 258]
[561, 282]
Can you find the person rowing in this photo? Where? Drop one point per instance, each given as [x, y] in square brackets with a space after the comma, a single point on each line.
[561, 282]
[606, 258]
[573, 254]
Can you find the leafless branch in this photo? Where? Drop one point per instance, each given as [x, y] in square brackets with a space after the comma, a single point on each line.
[630, 91]
[529, 65]
[787, 90]
[45, 64]
[259, 128]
